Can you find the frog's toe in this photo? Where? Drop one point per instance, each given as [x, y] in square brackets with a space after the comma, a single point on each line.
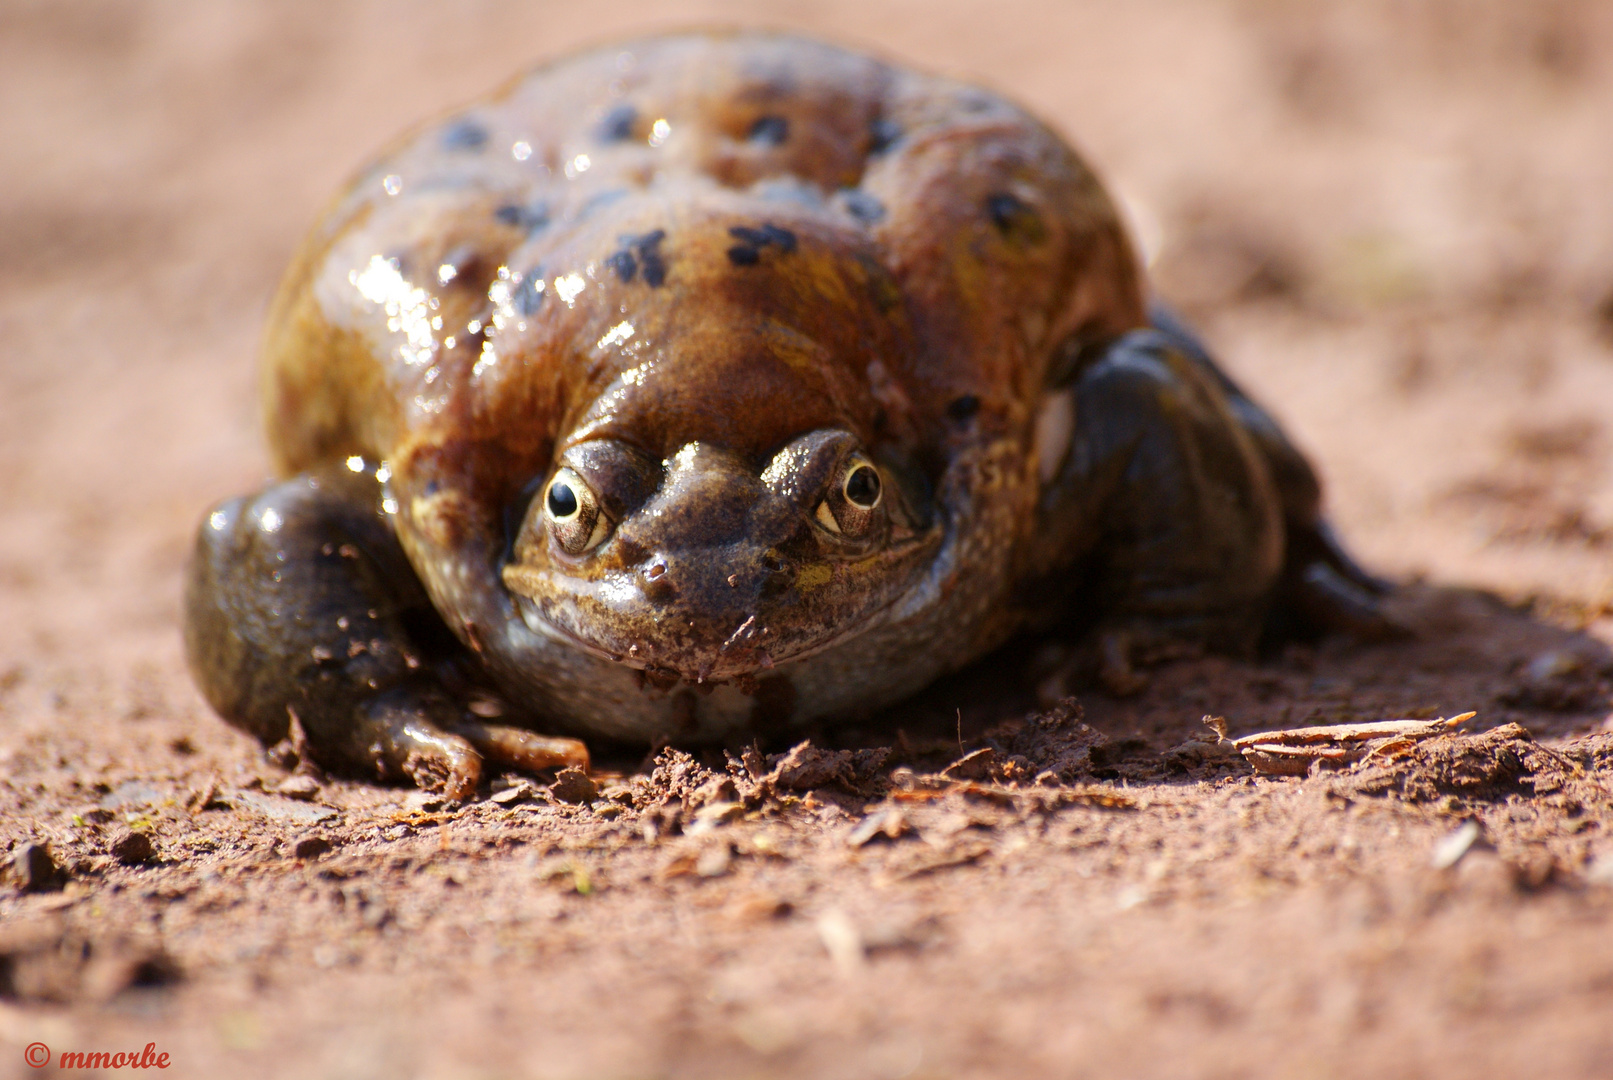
[1115, 671]
[397, 732]
[1329, 601]
[522, 749]
[1319, 542]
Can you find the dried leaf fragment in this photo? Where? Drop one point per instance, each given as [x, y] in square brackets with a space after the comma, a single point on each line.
[1292, 752]
[842, 940]
[886, 821]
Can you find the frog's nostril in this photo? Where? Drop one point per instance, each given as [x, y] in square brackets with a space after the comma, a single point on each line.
[657, 586]
[778, 576]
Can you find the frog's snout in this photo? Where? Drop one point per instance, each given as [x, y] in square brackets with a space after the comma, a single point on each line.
[699, 581]
[711, 612]
[762, 577]
[698, 615]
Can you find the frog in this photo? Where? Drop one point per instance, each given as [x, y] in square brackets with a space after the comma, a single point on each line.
[699, 389]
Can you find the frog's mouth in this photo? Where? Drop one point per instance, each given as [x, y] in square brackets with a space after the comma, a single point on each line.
[747, 651]
[790, 617]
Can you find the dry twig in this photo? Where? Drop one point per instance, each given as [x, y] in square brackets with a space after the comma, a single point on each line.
[1292, 752]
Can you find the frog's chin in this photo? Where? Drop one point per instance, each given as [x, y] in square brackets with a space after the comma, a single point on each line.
[747, 653]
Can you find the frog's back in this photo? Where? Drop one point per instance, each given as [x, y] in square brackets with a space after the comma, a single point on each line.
[425, 308]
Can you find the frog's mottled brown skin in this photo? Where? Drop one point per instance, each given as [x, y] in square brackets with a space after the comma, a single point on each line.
[697, 283]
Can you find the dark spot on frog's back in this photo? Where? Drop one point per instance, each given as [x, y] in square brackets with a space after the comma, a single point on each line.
[531, 218]
[1016, 219]
[526, 298]
[961, 410]
[617, 126]
[464, 135]
[654, 262]
[862, 206]
[748, 251]
[769, 130]
[882, 134]
[762, 237]
[464, 268]
[623, 265]
[643, 249]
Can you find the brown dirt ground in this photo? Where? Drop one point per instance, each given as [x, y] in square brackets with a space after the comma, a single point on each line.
[1392, 219]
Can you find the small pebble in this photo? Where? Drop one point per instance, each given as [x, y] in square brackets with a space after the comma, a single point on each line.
[708, 818]
[886, 821]
[842, 941]
[574, 786]
[515, 791]
[1449, 851]
[311, 846]
[131, 848]
[714, 861]
[34, 869]
[304, 788]
[423, 802]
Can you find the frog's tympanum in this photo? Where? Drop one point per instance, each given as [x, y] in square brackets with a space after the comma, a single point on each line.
[706, 386]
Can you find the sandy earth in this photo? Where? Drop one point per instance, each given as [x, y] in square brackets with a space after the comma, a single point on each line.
[1391, 219]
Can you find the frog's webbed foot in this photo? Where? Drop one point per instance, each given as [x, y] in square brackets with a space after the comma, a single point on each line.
[1324, 591]
[418, 733]
[521, 749]
[396, 734]
[300, 601]
[1115, 671]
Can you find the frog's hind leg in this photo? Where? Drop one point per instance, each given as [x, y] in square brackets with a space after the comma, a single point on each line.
[1322, 587]
[300, 602]
[1161, 518]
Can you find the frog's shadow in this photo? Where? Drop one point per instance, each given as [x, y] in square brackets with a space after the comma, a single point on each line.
[1470, 651]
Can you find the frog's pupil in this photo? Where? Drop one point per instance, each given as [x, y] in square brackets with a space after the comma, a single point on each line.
[562, 500]
[862, 486]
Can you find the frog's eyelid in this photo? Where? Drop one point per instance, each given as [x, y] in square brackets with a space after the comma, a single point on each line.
[826, 517]
[602, 529]
[812, 465]
[620, 480]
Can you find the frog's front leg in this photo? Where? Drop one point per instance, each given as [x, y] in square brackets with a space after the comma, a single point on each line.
[300, 601]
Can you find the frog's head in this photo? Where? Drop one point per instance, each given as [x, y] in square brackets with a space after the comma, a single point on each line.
[710, 564]
[731, 488]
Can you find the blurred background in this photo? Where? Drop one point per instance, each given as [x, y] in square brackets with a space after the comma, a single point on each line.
[1392, 219]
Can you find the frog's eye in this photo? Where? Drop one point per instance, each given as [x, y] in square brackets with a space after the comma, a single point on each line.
[573, 513]
[849, 509]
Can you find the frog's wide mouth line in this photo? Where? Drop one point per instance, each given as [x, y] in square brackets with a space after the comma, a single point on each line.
[535, 620]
